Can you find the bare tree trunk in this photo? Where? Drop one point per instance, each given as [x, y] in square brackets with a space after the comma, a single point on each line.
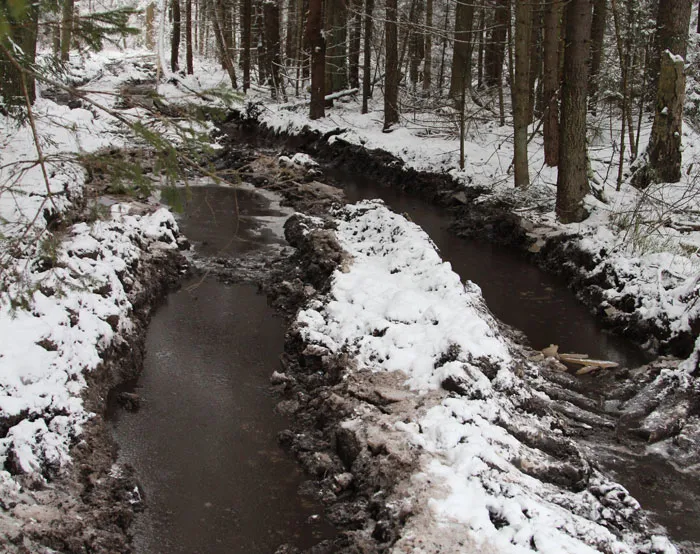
[521, 92]
[550, 82]
[336, 51]
[291, 34]
[188, 36]
[417, 44]
[355, 38]
[495, 44]
[600, 8]
[67, 28]
[317, 44]
[246, 26]
[428, 64]
[572, 180]
[441, 73]
[462, 57]
[175, 42]
[271, 12]
[535, 70]
[481, 24]
[367, 66]
[666, 133]
[220, 15]
[391, 80]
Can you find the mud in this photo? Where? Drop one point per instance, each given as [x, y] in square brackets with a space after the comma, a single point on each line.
[89, 505]
[491, 219]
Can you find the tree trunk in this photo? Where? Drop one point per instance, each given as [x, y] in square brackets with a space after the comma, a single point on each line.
[317, 44]
[336, 51]
[445, 32]
[481, 30]
[355, 38]
[521, 91]
[175, 42]
[66, 28]
[550, 82]
[667, 131]
[246, 26]
[367, 66]
[188, 36]
[572, 180]
[600, 8]
[219, 15]
[535, 70]
[428, 64]
[391, 78]
[417, 44]
[462, 56]
[495, 44]
[672, 22]
[290, 53]
[271, 12]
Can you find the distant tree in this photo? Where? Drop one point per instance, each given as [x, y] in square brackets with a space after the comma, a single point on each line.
[494, 53]
[317, 45]
[428, 48]
[391, 79]
[572, 178]
[246, 28]
[355, 39]
[336, 30]
[600, 12]
[462, 55]
[521, 91]
[175, 40]
[367, 62]
[551, 81]
[188, 37]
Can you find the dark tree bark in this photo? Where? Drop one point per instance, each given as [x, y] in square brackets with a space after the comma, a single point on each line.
[367, 65]
[355, 39]
[600, 12]
[336, 51]
[572, 180]
[220, 15]
[428, 64]
[271, 11]
[462, 56]
[481, 25]
[666, 133]
[246, 25]
[66, 28]
[291, 34]
[494, 55]
[317, 44]
[175, 42]
[521, 92]
[188, 36]
[550, 82]
[150, 26]
[535, 71]
[671, 34]
[417, 44]
[391, 79]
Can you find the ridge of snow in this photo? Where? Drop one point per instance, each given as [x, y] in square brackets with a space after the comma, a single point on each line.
[398, 306]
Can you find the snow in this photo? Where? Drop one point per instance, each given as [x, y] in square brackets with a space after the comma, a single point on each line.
[398, 306]
[63, 295]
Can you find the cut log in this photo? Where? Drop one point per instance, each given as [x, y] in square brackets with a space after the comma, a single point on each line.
[588, 369]
[551, 351]
[603, 364]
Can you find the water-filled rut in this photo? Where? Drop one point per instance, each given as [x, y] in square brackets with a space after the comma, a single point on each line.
[204, 442]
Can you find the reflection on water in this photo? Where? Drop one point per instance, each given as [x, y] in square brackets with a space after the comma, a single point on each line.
[204, 441]
[515, 290]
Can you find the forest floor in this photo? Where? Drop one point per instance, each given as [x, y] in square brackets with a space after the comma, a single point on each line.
[428, 425]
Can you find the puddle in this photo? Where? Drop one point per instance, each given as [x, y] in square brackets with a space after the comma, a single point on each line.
[203, 443]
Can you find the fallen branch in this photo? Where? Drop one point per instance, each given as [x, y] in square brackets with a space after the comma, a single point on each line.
[327, 98]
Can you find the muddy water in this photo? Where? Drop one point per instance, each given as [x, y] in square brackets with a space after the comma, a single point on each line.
[204, 441]
[516, 291]
[541, 306]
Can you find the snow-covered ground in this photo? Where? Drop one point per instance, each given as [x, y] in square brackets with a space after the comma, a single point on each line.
[481, 485]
